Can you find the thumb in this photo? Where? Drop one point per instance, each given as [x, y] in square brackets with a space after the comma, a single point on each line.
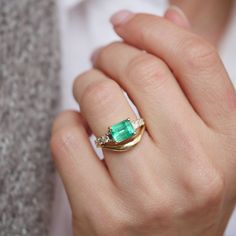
[177, 16]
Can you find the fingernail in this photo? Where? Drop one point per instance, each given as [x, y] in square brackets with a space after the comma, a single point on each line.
[179, 16]
[94, 55]
[121, 17]
[178, 10]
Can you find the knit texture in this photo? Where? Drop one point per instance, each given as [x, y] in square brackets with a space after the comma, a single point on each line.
[29, 65]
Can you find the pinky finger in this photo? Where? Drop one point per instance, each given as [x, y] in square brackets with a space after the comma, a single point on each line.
[81, 171]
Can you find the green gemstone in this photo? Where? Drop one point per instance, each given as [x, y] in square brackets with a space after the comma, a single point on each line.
[122, 131]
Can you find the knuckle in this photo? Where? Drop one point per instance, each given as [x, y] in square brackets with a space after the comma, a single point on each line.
[99, 94]
[214, 192]
[82, 76]
[210, 189]
[79, 80]
[199, 54]
[65, 115]
[146, 71]
[107, 49]
[62, 139]
[99, 91]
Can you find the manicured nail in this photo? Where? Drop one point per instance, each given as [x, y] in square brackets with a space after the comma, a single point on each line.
[94, 56]
[121, 17]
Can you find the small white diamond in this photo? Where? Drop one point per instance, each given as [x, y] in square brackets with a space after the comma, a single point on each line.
[105, 139]
[138, 123]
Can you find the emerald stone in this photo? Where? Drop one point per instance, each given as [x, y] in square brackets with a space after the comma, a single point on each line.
[122, 131]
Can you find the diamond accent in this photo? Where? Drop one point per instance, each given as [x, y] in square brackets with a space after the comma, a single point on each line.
[103, 139]
[138, 123]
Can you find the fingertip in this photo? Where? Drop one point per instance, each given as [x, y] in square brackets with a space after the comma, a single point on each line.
[121, 17]
[177, 16]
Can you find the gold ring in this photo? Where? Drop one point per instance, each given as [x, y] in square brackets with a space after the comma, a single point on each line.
[122, 136]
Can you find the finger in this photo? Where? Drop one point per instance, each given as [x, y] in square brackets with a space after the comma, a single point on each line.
[177, 16]
[151, 86]
[102, 101]
[103, 104]
[195, 62]
[78, 165]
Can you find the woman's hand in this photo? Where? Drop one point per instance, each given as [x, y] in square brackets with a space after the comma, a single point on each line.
[180, 179]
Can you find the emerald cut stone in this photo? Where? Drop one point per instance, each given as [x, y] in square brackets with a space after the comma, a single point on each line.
[122, 131]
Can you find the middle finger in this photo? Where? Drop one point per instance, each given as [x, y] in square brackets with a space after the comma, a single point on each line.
[103, 104]
[152, 87]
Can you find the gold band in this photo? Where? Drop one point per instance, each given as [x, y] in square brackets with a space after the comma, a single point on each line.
[124, 147]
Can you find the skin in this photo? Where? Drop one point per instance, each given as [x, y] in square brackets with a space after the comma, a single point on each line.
[180, 180]
[209, 21]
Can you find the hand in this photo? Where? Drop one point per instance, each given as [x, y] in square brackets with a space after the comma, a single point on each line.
[180, 179]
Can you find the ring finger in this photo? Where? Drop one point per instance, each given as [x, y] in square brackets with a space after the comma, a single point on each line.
[104, 104]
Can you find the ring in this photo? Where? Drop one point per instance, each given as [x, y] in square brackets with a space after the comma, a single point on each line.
[122, 136]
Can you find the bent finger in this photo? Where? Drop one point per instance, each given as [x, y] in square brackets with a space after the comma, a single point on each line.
[195, 63]
[79, 167]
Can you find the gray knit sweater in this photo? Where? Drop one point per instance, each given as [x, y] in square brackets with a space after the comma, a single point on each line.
[29, 68]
